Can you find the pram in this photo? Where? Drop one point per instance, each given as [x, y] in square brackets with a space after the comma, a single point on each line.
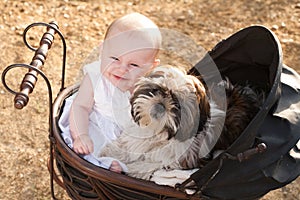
[266, 156]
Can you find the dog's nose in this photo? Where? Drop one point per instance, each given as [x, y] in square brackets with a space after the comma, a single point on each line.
[157, 111]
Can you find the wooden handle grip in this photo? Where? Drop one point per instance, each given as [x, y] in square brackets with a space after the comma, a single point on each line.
[38, 60]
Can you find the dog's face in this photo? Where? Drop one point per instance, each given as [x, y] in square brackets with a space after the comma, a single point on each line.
[167, 100]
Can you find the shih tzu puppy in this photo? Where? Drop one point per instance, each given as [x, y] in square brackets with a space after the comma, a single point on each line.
[177, 124]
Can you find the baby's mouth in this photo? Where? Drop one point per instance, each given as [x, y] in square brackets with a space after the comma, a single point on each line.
[119, 77]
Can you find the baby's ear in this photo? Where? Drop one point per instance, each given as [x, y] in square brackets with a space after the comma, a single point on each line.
[100, 49]
[101, 46]
[156, 62]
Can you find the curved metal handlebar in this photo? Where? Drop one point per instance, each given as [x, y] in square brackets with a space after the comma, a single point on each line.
[30, 78]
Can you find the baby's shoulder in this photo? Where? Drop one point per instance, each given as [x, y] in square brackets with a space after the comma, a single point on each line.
[93, 71]
[92, 68]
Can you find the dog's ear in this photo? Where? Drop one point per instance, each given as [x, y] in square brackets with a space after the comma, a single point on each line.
[203, 101]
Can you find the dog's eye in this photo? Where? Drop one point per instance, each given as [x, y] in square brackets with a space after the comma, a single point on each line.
[153, 91]
[157, 91]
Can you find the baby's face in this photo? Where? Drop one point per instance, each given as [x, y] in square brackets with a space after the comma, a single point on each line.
[124, 62]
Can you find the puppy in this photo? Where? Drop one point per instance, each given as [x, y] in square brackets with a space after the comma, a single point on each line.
[168, 106]
[177, 124]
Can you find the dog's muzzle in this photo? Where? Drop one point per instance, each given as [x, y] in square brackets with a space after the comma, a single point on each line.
[156, 107]
[158, 111]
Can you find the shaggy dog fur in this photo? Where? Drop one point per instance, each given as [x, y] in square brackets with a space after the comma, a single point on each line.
[178, 125]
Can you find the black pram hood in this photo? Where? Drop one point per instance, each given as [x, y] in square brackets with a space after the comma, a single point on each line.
[254, 54]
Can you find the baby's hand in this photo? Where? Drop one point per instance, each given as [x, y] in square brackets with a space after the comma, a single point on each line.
[115, 167]
[83, 144]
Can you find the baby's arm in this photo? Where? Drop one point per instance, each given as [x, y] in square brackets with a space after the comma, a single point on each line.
[79, 117]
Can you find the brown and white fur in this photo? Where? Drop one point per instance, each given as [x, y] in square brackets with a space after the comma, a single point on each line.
[177, 123]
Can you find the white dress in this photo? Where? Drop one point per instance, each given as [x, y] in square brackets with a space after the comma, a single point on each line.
[110, 114]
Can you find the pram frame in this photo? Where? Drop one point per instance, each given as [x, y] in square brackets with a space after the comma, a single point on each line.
[22, 98]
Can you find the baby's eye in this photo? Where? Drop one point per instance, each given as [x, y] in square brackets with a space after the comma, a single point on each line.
[114, 58]
[134, 65]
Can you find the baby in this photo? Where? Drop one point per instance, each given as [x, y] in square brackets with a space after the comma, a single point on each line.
[101, 108]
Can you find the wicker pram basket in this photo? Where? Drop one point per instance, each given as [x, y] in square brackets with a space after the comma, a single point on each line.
[85, 180]
[252, 54]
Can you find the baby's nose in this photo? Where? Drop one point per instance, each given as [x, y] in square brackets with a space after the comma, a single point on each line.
[124, 67]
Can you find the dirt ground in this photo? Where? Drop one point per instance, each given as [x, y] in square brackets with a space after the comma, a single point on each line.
[24, 133]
